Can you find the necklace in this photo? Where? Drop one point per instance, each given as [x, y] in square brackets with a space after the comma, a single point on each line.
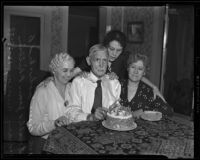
[66, 103]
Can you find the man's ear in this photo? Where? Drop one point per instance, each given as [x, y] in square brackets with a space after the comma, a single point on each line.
[127, 69]
[88, 60]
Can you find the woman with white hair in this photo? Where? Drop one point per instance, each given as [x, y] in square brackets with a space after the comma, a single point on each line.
[50, 99]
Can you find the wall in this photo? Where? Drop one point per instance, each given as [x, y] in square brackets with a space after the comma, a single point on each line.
[79, 32]
[152, 17]
[103, 14]
[56, 30]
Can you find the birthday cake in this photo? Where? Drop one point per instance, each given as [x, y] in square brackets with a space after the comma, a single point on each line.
[119, 117]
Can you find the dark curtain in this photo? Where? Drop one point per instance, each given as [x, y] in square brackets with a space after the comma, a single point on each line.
[179, 64]
[23, 76]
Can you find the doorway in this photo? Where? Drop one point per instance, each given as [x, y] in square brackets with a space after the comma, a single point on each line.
[178, 77]
[83, 31]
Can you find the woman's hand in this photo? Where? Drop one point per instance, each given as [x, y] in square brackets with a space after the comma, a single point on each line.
[61, 121]
[84, 74]
[113, 76]
[76, 71]
[156, 92]
[45, 82]
[137, 113]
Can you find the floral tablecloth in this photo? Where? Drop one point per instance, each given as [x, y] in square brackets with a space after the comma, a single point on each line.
[165, 137]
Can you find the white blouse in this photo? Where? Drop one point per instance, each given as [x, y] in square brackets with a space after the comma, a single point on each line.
[82, 93]
[46, 106]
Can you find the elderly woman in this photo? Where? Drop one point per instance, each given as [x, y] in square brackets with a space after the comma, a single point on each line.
[50, 99]
[138, 95]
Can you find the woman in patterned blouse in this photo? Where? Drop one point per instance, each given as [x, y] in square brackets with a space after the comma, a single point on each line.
[138, 95]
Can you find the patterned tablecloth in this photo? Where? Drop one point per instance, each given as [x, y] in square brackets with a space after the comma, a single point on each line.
[166, 137]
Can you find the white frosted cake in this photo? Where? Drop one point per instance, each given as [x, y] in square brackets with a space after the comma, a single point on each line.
[119, 117]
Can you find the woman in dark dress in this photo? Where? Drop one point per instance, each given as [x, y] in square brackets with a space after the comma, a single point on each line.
[138, 95]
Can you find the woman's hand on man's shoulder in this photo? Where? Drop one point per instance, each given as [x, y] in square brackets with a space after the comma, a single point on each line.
[45, 82]
[112, 76]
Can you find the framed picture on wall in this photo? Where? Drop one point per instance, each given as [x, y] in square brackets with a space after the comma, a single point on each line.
[135, 32]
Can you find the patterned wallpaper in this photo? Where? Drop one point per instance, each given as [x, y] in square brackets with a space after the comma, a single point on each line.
[116, 18]
[131, 14]
[56, 28]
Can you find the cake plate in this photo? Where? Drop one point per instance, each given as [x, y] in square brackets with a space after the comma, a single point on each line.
[134, 125]
[151, 115]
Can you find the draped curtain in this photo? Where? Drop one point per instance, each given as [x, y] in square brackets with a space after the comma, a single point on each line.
[179, 64]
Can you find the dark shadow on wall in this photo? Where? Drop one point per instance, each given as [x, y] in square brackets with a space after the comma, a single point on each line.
[179, 96]
[179, 75]
[83, 29]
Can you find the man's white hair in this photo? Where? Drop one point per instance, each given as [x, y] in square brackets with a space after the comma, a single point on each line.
[97, 47]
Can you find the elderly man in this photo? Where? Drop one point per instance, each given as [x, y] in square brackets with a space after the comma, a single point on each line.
[92, 96]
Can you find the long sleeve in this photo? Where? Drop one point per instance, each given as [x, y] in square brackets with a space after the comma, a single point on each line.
[145, 80]
[144, 99]
[74, 111]
[38, 123]
[117, 89]
[146, 95]
[159, 105]
[111, 91]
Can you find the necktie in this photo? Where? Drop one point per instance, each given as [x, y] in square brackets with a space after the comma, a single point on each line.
[97, 97]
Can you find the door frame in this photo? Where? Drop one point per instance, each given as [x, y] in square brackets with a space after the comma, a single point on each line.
[21, 11]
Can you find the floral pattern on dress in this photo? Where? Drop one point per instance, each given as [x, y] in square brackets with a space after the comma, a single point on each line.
[143, 99]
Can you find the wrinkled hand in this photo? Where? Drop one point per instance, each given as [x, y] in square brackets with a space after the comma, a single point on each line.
[113, 76]
[47, 80]
[84, 74]
[61, 121]
[76, 71]
[137, 113]
[156, 92]
[100, 113]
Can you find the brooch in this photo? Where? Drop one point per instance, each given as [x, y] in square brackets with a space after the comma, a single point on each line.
[66, 103]
[109, 69]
